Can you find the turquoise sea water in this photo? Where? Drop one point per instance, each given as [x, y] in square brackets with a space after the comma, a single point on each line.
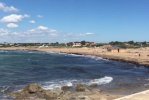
[53, 70]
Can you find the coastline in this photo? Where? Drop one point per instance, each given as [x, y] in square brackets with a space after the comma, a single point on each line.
[35, 92]
[88, 52]
[124, 56]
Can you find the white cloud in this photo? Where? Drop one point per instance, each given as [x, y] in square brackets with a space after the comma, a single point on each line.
[5, 8]
[86, 34]
[32, 22]
[13, 18]
[7, 33]
[89, 33]
[3, 32]
[41, 34]
[42, 30]
[76, 35]
[39, 16]
[12, 25]
[39, 31]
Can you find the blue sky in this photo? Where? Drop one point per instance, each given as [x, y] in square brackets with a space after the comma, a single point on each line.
[74, 20]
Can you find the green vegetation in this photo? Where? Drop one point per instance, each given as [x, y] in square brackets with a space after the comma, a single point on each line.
[129, 44]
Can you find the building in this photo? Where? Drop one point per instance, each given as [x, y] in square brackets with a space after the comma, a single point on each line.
[76, 44]
[81, 44]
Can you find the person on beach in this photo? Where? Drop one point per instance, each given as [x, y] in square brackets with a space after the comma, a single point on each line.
[118, 50]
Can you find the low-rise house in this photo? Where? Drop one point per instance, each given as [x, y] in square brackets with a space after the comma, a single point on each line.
[90, 44]
[81, 44]
[76, 44]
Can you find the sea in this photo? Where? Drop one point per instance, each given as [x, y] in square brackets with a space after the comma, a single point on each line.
[54, 70]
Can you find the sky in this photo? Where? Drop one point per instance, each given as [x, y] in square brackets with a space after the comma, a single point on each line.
[74, 20]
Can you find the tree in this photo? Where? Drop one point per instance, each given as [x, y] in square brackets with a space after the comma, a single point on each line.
[131, 42]
[70, 44]
[144, 43]
[83, 42]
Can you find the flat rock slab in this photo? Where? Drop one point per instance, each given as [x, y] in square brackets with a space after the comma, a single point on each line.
[137, 96]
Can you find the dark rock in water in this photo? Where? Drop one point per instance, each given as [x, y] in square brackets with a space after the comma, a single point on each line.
[33, 88]
[34, 92]
[66, 88]
[93, 85]
[80, 88]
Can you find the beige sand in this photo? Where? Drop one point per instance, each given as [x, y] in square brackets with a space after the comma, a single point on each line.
[137, 96]
[128, 55]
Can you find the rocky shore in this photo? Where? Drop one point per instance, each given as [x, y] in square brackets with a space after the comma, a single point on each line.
[80, 92]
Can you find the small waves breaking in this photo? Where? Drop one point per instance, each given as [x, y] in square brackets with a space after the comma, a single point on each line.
[87, 56]
[71, 83]
[101, 81]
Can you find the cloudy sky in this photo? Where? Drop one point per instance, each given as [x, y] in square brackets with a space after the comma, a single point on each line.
[74, 20]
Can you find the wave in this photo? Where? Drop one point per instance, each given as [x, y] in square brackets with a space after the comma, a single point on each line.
[3, 93]
[95, 57]
[101, 81]
[3, 89]
[77, 55]
[87, 56]
[58, 84]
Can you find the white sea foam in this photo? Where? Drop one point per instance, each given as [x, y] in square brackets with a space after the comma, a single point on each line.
[51, 52]
[59, 84]
[101, 81]
[95, 57]
[88, 56]
[4, 88]
[52, 86]
[76, 55]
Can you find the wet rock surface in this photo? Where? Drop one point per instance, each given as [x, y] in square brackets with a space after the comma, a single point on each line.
[34, 91]
[80, 88]
[81, 92]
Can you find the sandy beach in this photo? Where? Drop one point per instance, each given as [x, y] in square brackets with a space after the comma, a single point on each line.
[137, 56]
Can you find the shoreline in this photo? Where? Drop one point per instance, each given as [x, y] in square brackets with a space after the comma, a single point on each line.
[79, 51]
[111, 58]
[34, 91]
[115, 56]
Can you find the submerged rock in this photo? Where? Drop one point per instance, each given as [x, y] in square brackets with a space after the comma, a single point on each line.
[34, 92]
[93, 85]
[33, 88]
[80, 88]
[66, 88]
